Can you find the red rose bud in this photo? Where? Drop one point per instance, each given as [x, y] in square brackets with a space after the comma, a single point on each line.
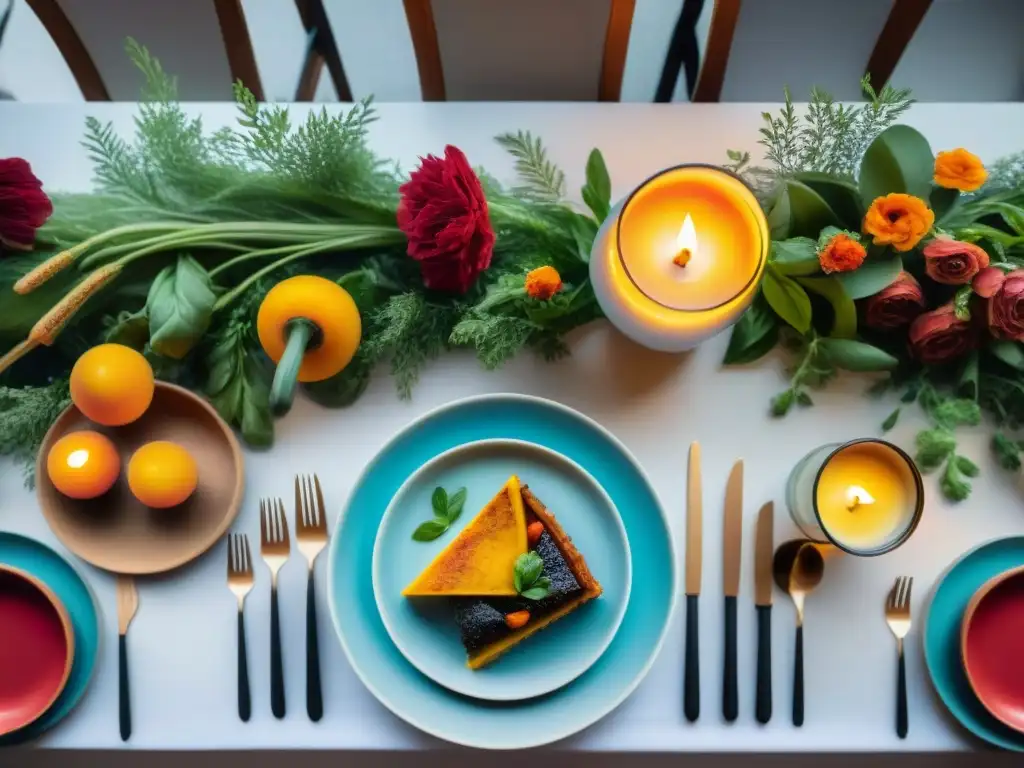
[940, 336]
[443, 213]
[951, 262]
[988, 282]
[24, 207]
[1006, 308]
[895, 305]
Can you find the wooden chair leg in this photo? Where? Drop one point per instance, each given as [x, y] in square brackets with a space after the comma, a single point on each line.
[321, 51]
[716, 58]
[903, 21]
[71, 48]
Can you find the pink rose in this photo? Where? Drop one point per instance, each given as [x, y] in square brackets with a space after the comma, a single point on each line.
[895, 305]
[988, 282]
[940, 336]
[951, 262]
[1006, 308]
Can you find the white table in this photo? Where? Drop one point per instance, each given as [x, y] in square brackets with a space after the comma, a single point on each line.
[182, 643]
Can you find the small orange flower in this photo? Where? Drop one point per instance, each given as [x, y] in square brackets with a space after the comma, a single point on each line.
[959, 169]
[841, 254]
[543, 283]
[898, 220]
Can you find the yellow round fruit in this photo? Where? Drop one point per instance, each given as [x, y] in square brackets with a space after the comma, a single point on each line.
[162, 474]
[112, 384]
[83, 465]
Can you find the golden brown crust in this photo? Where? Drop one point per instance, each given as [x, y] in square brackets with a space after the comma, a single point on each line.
[575, 561]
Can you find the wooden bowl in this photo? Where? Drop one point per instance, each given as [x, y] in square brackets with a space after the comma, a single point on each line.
[37, 649]
[116, 531]
[990, 646]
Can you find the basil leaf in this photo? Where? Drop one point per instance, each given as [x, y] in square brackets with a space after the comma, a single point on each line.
[597, 192]
[429, 530]
[871, 277]
[179, 307]
[342, 388]
[899, 160]
[891, 420]
[439, 501]
[535, 593]
[239, 388]
[756, 332]
[1009, 352]
[796, 256]
[529, 566]
[129, 328]
[517, 581]
[857, 356]
[455, 503]
[787, 299]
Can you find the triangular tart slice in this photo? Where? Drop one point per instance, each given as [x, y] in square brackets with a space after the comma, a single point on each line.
[480, 561]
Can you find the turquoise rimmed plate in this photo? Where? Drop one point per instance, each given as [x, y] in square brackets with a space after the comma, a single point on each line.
[65, 582]
[536, 721]
[424, 629]
[942, 627]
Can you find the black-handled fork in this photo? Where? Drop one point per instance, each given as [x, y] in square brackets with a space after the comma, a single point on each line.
[275, 546]
[240, 581]
[311, 534]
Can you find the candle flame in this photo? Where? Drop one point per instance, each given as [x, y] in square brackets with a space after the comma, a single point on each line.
[686, 242]
[857, 496]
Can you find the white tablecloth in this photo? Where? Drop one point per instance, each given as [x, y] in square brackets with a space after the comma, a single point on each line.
[183, 638]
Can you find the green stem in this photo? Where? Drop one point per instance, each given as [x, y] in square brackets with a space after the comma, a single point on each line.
[248, 254]
[282, 392]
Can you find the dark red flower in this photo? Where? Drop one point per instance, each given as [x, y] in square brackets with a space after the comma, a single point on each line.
[896, 305]
[443, 213]
[939, 336]
[24, 207]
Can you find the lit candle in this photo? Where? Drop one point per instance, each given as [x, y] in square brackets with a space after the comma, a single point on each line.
[681, 257]
[865, 496]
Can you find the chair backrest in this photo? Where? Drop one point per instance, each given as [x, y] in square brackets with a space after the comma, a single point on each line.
[204, 42]
[532, 50]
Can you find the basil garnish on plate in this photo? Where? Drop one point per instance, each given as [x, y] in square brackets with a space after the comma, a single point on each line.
[446, 511]
[527, 577]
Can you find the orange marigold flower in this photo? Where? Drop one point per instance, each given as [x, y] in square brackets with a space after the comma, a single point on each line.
[841, 254]
[543, 283]
[959, 169]
[898, 220]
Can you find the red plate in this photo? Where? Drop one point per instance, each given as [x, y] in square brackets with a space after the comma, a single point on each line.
[992, 644]
[37, 646]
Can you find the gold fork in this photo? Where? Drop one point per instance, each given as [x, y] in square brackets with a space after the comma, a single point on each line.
[240, 581]
[275, 547]
[897, 615]
[311, 534]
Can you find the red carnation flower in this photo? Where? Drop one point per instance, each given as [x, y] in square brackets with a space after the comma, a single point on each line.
[24, 207]
[443, 213]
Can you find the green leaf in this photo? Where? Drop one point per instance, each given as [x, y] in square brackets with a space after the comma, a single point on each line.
[957, 412]
[539, 591]
[967, 466]
[872, 276]
[1010, 352]
[899, 160]
[933, 446]
[808, 211]
[455, 504]
[343, 388]
[439, 502]
[179, 307]
[782, 402]
[756, 332]
[429, 530]
[844, 322]
[1007, 452]
[527, 570]
[239, 387]
[853, 355]
[967, 381]
[597, 192]
[976, 232]
[584, 231]
[1013, 215]
[842, 196]
[942, 201]
[891, 420]
[787, 299]
[962, 303]
[954, 485]
[804, 399]
[796, 256]
[129, 328]
[780, 216]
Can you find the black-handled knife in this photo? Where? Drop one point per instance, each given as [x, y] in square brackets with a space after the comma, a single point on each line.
[732, 550]
[691, 670]
[763, 552]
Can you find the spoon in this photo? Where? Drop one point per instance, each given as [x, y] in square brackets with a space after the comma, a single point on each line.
[797, 567]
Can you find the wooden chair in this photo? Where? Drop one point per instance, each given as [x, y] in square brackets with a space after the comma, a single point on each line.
[204, 42]
[535, 50]
[321, 50]
[754, 49]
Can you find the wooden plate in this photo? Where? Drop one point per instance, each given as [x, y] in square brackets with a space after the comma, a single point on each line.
[37, 649]
[118, 533]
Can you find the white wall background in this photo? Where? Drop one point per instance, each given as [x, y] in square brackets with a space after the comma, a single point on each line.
[966, 50]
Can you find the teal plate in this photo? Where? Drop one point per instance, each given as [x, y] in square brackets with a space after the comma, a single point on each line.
[424, 628]
[61, 577]
[942, 637]
[465, 720]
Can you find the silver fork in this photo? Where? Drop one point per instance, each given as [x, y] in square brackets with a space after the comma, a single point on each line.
[897, 615]
[240, 581]
[275, 546]
[311, 534]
